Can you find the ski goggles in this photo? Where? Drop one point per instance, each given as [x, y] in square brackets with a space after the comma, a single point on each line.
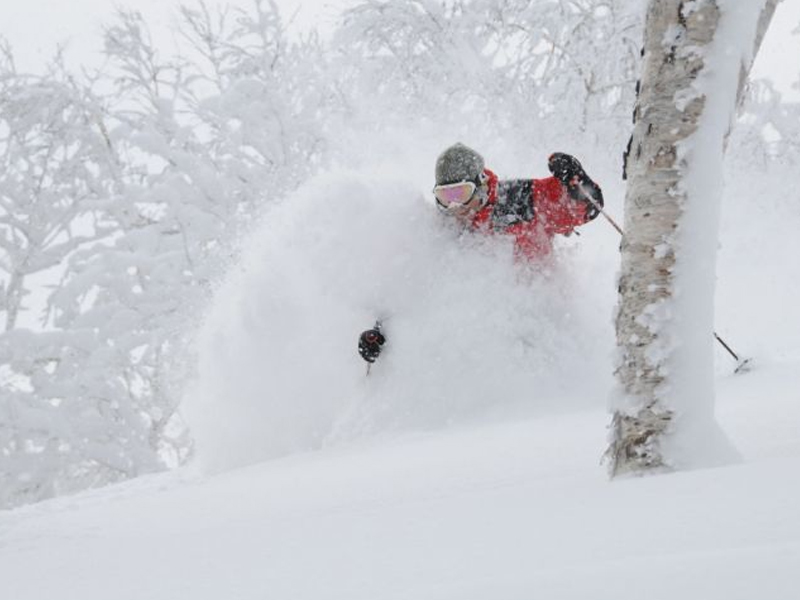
[454, 194]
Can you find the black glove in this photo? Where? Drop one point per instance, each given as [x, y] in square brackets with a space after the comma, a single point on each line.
[569, 171]
[370, 343]
[565, 168]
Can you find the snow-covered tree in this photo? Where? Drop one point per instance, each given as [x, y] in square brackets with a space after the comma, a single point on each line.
[260, 100]
[54, 171]
[135, 199]
[769, 127]
[696, 58]
[57, 171]
[200, 160]
[548, 70]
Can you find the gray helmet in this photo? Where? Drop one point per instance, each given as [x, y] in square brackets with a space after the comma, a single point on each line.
[458, 163]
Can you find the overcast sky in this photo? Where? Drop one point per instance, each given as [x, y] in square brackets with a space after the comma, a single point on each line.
[34, 27]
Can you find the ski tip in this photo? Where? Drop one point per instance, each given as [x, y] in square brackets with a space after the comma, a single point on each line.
[744, 366]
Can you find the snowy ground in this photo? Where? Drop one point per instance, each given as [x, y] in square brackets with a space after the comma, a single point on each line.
[506, 510]
[416, 492]
[466, 473]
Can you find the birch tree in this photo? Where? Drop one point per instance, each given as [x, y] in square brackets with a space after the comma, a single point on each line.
[695, 61]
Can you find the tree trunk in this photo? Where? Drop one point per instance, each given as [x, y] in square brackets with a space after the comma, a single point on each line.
[15, 290]
[764, 20]
[663, 412]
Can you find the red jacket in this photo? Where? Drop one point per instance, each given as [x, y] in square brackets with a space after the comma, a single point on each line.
[533, 211]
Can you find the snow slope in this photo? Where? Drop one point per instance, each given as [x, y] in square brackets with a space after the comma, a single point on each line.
[505, 510]
[414, 493]
[469, 473]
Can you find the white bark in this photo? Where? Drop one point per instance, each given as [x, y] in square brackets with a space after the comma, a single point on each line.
[664, 332]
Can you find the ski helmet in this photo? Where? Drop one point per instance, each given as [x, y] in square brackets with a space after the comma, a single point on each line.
[458, 163]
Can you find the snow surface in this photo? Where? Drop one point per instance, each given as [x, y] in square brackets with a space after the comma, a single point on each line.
[505, 510]
[415, 493]
[467, 474]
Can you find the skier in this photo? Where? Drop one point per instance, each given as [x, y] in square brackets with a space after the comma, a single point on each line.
[533, 211]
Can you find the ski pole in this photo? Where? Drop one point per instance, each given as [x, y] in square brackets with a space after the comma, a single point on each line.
[600, 209]
[741, 363]
[742, 366]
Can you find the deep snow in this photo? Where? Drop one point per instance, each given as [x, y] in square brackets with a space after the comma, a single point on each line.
[467, 465]
[496, 491]
[505, 510]
[471, 334]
